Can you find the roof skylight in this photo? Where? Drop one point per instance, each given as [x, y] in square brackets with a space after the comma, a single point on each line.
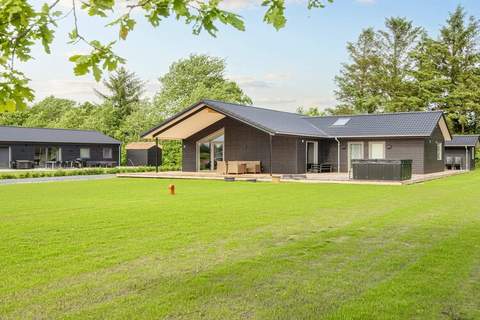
[341, 122]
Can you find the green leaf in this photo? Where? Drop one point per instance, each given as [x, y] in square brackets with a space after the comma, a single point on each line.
[97, 72]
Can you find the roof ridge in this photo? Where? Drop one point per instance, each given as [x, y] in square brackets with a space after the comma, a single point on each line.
[373, 114]
[314, 126]
[299, 116]
[63, 129]
[250, 106]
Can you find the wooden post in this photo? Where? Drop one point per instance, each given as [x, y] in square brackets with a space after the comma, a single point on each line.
[171, 189]
[271, 154]
[156, 155]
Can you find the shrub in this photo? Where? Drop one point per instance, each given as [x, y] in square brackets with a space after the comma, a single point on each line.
[80, 172]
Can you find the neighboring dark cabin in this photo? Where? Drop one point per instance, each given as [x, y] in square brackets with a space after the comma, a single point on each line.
[460, 152]
[143, 154]
[22, 147]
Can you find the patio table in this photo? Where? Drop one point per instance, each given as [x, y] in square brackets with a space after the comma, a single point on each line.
[50, 164]
[24, 164]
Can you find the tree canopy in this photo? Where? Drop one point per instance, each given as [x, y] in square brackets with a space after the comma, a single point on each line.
[195, 78]
[23, 25]
[124, 88]
[402, 68]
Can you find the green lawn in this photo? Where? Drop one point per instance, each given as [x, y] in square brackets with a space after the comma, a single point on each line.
[124, 248]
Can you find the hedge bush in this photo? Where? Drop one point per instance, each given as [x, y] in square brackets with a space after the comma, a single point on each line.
[78, 172]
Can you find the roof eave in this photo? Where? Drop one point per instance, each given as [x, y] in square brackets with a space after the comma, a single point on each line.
[216, 108]
[379, 136]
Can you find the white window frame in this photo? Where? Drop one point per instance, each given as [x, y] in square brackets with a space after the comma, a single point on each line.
[473, 153]
[349, 160]
[110, 156]
[10, 157]
[208, 138]
[89, 155]
[370, 143]
[439, 151]
[315, 150]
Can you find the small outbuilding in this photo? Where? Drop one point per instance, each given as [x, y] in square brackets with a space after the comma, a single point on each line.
[143, 154]
[460, 152]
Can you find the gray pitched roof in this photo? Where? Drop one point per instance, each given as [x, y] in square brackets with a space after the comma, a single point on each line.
[274, 121]
[463, 140]
[383, 124]
[414, 124]
[23, 134]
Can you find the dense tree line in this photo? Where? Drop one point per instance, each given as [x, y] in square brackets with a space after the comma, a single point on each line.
[124, 114]
[402, 68]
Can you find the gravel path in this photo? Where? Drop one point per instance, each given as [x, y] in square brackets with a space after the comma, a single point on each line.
[53, 179]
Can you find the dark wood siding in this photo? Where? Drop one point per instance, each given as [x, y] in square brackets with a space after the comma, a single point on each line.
[285, 154]
[23, 151]
[143, 157]
[430, 155]
[243, 142]
[407, 149]
[396, 149]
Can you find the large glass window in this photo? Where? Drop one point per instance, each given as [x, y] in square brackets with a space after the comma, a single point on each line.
[54, 154]
[210, 151]
[376, 150]
[40, 156]
[204, 156]
[43, 154]
[85, 153]
[439, 151]
[107, 153]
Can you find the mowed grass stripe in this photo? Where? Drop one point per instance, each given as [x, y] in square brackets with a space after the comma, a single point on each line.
[258, 251]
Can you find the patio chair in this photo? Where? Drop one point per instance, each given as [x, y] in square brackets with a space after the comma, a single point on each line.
[222, 167]
[253, 167]
[313, 168]
[449, 163]
[236, 167]
[458, 163]
[326, 167]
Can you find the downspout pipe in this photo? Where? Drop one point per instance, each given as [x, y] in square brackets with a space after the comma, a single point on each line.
[338, 154]
[467, 159]
[119, 155]
[156, 155]
[271, 147]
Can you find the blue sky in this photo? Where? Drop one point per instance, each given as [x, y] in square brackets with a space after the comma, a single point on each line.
[282, 69]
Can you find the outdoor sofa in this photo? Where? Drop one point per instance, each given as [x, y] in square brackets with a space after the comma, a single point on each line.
[238, 167]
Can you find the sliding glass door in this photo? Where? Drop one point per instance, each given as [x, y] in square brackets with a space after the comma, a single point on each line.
[210, 150]
[205, 151]
[355, 151]
[43, 154]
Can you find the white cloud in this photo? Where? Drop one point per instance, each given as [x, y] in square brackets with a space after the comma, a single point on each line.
[278, 76]
[79, 89]
[366, 1]
[268, 80]
[239, 4]
[236, 5]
